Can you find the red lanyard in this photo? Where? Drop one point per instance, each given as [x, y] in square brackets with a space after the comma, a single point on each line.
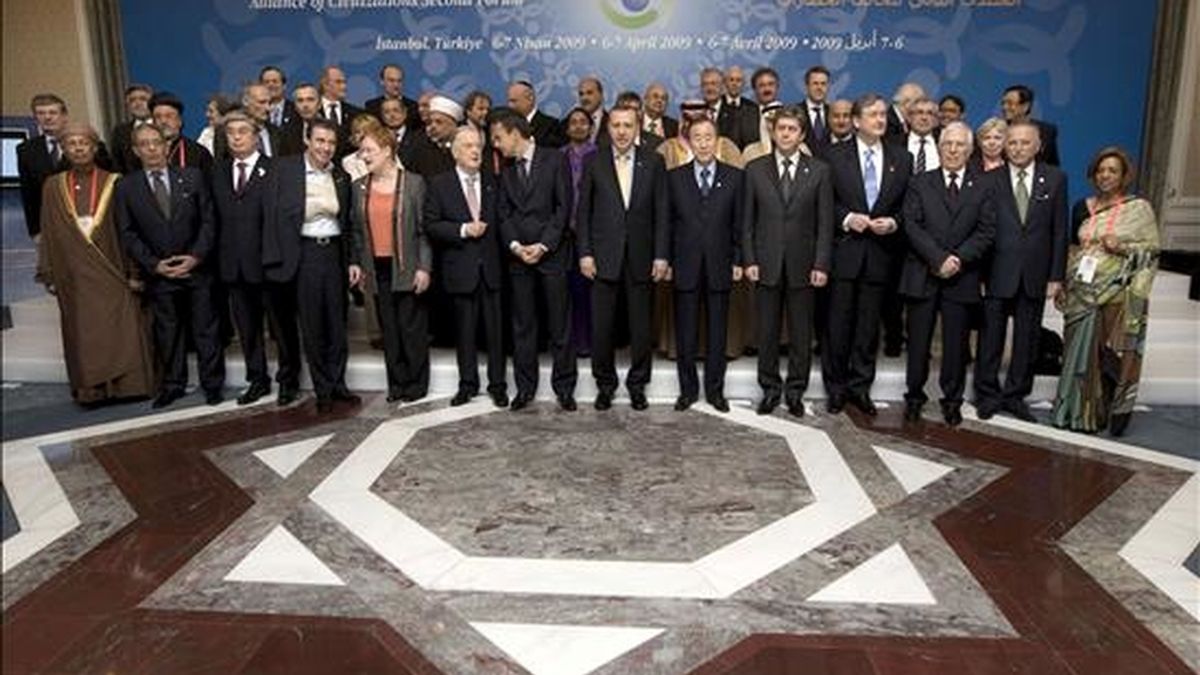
[1112, 222]
[182, 156]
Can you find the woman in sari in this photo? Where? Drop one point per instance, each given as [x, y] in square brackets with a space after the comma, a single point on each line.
[1109, 274]
[80, 260]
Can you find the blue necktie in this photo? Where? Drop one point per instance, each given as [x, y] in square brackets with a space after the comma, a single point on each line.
[705, 185]
[870, 179]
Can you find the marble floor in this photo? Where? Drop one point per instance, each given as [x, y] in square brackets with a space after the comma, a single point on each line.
[429, 539]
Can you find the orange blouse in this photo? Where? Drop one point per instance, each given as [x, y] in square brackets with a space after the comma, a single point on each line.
[379, 218]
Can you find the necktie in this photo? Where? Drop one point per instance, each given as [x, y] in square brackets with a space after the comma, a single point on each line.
[161, 195]
[705, 184]
[333, 114]
[870, 179]
[241, 178]
[953, 188]
[523, 172]
[819, 125]
[624, 177]
[1022, 195]
[472, 197]
[787, 181]
[921, 155]
[277, 114]
[55, 151]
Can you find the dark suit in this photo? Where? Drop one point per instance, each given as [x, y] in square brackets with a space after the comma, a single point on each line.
[897, 127]
[535, 210]
[427, 157]
[1049, 134]
[242, 219]
[1026, 257]
[471, 273]
[816, 141]
[938, 225]
[625, 242]
[34, 166]
[733, 121]
[706, 234]
[863, 265]
[289, 137]
[149, 236]
[670, 127]
[187, 152]
[121, 141]
[348, 113]
[787, 239]
[316, 270]
[547, 131]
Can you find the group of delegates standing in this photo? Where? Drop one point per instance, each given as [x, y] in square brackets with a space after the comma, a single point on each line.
[712, 232]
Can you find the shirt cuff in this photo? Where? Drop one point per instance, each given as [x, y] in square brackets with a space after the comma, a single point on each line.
[513, 245]
[462, 231]
[846, 222]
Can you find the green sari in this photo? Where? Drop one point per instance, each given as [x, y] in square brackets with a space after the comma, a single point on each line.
[1105, 320]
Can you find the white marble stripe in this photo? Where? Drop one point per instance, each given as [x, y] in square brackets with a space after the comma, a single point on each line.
[1159, 549]
[620, 578]
[545, 649]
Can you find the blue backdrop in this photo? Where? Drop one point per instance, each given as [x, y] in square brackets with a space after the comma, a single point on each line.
[1088, 61]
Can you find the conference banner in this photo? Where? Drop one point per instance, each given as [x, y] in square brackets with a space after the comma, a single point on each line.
[1087, 61]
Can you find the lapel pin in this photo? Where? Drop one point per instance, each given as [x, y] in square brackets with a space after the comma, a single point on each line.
[970, 183]
[261, 172]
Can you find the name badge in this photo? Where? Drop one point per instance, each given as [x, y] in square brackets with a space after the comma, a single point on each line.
[1087, 269]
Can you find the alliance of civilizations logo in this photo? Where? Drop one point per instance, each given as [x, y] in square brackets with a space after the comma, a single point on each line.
[635, 14]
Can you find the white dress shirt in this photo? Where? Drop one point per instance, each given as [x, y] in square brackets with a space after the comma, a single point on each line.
[932, 160]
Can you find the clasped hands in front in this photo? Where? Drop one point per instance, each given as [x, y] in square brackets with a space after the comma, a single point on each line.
[859, 222]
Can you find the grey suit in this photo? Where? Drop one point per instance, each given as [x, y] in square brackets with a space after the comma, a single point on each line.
[787, 240]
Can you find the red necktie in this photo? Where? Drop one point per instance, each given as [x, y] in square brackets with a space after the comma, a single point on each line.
[241, 179]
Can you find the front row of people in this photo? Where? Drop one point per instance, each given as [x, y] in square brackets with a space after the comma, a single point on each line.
[286, 239]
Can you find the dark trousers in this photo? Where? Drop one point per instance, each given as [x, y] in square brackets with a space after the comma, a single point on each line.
[687, 334]
[848, 355]
[775, 302]
[550, 283]
[1026, 313]
[321, 293]
[922, 315]
[468, 307]
[893, 313]
[252, 303]
[405, 322]
[639, 299]
[174, 311]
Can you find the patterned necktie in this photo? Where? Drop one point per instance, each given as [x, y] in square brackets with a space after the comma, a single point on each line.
[819, 125]
[625, 177]
[1022, 195]
[55, 151]
[523, 172]
[953, 188]
[472, 197]
[787, 180]
[333, 114]
[241, 178]
[705, 184]
[921, 155]
[161, 195]
[870, 179]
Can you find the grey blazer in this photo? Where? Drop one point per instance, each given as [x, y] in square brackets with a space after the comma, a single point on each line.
[410, 246]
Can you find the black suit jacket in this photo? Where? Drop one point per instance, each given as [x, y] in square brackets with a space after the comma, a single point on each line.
[799, 231]
[617, 236]
[121, 140]
[547, 131]
[670, 127]
[868, 256]
[427, 158]
[34, 166]
[344, 146]
[149, 236]
[706, 232]
[897, 129]
[281, 233]
[1049, 152]
[289, 137]
[412, 120]
[536, 211]
[465, 262]
[938, 227]
[1029, 255]
[733, 122]
[241, 219]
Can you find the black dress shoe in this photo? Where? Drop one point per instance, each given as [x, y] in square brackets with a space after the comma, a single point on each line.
[213, 397]
[912, 410]
[864, 403]
[254, 392]
[521, 401]
[324, 405]
[719, 403]
[952, 413]
[1021, 411]
[462, 397]
[166, 398]
[1117, 424]
[603, 401]
[287, 395]
[499, 399]
[346, 396]
[835, 404]
[567, 403]
[637, 400]
[768, 405]
[684, 402]
[795, 408]
[394, 396]
[986, 409]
